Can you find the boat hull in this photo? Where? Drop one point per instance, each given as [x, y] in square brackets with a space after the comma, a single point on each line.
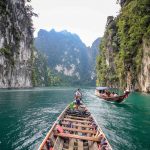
[83, 133]
[117, 99]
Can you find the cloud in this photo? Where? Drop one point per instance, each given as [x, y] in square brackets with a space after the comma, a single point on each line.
[87, 18]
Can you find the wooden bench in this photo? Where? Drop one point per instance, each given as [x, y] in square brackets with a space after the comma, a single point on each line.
[78, 125]
[80, 130]
[67, 135]
[74, 117]
[74, 120]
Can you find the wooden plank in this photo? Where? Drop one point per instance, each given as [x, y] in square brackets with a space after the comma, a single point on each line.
[53, 139]
[80, 143]
[74, 120]
[71, 144]
[67, 135]
[81, 118]
[93, 146]
[58, 144]
[78, 125]
[80, 130]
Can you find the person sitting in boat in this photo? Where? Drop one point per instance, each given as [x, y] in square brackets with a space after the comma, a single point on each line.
[115, 94]
[59, 127]
[112, 94]
[78, 97]
[78, 103]
[71, 106]
[78, 94]
[126, 91]
[108, 93]
[104, 93]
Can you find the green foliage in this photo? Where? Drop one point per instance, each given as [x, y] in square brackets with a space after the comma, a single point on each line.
[132, 27]
[68, 51]
[5, 51]
[131, 30]
[15, 25]
[42, 75]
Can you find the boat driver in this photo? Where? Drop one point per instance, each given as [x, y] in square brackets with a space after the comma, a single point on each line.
[78, 94]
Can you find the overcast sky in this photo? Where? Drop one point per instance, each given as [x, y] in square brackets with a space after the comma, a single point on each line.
[87, 18]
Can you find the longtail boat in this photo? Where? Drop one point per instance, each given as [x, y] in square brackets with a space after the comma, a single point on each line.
[99, 92]
[80, 131]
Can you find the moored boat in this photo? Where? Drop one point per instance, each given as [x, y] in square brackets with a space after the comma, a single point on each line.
[75, 129]
[114, 98]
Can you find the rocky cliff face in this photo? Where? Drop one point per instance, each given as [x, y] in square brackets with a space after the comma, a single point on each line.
[68, 56]
[125, 51]
[15, 44]
[144, 74]
[122, 2]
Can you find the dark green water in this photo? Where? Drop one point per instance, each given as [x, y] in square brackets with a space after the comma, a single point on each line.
[27, 115]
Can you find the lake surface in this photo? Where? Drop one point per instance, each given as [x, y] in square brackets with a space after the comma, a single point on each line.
[27, 115]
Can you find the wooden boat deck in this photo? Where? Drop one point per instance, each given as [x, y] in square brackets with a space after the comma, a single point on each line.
[79, 134]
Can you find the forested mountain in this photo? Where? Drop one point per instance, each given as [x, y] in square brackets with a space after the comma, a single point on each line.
[125, 49]
[42, 75]
[67, 56]
[16, 39]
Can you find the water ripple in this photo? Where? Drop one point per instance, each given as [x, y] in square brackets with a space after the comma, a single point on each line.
[27, 115]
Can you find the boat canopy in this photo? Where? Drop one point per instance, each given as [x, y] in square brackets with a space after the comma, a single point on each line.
[102, 88]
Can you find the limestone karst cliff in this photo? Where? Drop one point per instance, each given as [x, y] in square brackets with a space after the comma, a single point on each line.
[68, 57]
[125, 50]
[16, 37]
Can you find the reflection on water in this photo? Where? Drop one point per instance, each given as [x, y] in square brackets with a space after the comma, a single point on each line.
[27, 115]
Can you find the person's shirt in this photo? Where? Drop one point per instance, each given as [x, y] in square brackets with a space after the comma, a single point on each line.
[115, 94]
[71, 106]
[78, 93]
[111, 94]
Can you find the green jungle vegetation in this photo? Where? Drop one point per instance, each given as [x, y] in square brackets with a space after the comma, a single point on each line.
[122, 44]
[42, 75]
[11, 48]
[66, 49]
